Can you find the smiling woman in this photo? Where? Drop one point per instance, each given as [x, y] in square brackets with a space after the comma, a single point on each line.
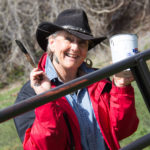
[92, 118]
[68, 53]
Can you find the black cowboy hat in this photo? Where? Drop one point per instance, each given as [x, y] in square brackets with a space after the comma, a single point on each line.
[73, 21]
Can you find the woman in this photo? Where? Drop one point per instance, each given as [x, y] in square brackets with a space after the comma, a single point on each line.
[92, 118]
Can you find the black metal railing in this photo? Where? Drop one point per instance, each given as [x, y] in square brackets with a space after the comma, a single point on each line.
[138, 144]
[136, 63]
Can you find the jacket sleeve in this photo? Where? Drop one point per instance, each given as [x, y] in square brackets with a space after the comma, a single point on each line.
[43, 128]
[48, 130]
[122, 111]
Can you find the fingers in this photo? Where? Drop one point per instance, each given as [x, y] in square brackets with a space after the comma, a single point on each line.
[39, 81]
[125, 74]
[36, 76]
[123, 81]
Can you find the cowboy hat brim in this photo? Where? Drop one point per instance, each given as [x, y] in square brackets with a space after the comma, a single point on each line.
[45, 29]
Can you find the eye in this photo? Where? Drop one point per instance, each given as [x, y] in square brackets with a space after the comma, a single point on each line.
[83, 43]
[69, 39]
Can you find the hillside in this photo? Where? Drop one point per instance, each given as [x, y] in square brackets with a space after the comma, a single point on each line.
[19, 20]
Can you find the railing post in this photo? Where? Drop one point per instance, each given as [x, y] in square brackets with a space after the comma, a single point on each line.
[142, 76]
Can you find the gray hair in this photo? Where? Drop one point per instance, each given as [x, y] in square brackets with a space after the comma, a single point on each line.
[49, 52]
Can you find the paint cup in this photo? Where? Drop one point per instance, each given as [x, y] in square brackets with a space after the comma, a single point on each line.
[123, 46]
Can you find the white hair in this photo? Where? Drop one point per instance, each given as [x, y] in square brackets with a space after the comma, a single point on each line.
[54, 35]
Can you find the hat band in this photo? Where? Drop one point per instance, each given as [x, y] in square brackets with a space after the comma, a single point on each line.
[76, 29]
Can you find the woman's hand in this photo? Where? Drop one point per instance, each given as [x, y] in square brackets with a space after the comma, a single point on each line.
[39, 81]
[123, 78]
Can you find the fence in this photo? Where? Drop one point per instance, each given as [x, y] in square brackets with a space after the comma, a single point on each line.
[136, 63]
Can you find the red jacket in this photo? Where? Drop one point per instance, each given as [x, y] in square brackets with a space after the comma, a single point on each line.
[114, 111]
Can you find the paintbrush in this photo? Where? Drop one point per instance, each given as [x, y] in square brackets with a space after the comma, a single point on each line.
[23, 49]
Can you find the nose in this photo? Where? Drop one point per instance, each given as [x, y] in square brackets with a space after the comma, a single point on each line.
[74, 46]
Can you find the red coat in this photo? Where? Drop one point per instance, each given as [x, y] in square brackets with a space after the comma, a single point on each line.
[114, 111]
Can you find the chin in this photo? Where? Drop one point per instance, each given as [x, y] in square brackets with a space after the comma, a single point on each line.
[71, 66]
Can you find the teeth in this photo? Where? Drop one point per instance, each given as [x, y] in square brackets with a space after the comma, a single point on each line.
[71, 55]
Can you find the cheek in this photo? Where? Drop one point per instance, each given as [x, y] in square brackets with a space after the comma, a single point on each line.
[63, 45]
[84, 53]
[66, 46]
[60, 50]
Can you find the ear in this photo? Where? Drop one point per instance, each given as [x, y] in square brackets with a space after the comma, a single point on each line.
[51, 42]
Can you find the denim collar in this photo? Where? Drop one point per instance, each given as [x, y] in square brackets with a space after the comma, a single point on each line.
[50, 70]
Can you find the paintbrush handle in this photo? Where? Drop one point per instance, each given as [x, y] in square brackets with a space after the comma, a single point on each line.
[23, 49]
[30, 60]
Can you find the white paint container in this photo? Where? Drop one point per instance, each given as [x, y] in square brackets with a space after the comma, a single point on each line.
[123, 46]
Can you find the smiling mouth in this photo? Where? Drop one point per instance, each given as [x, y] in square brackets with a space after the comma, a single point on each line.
[71, 55]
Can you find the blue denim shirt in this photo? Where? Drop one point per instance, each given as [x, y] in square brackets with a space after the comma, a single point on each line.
[91, 137]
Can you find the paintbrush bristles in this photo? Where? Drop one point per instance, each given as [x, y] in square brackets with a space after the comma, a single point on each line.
[21, 47]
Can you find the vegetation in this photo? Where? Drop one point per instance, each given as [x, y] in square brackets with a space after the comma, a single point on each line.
[19, 20]
[9, 139]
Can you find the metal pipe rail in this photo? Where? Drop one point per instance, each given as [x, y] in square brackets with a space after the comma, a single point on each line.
[138, 144]
[135, 63]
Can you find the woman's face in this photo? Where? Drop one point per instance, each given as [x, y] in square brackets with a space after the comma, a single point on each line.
[68, 50]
